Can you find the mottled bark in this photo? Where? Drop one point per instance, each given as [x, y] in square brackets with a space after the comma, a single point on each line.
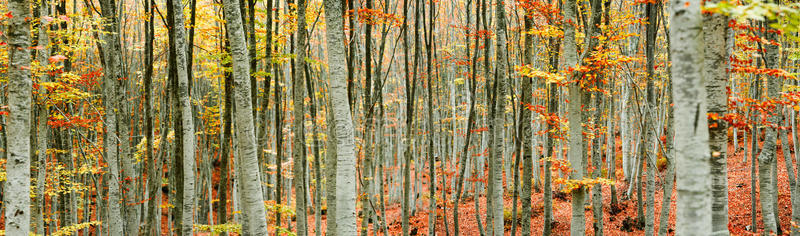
[298, 127]
[691, 136]
[345, 144]
[498, 123]
[251, 195]
[715, 70]
[16, 191]
[113, 71]
[576, 148]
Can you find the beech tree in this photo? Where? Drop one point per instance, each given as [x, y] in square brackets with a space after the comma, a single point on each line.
[398, 117]
[17, 201]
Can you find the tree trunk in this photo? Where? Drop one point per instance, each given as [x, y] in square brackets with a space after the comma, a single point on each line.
[715, 71]
[16, 197]
[187, 137]
[431, 131]
[525, 132]
[648, 130]
[298, 127]
[43, 129]
[252, 198]
[498, 121]
[345, 145]
[113, 69]
[225, 145]
[691, 136]
[408, 152]
[576, 148]
[330, 171]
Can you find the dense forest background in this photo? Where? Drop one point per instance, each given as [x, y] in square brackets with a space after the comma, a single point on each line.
[399, 117]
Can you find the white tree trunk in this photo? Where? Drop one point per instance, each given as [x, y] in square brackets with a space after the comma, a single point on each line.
[715, 72]
[187, 126]
[345, 144]
[16, 196]
[113, 68]
[575, 153]
[248, 175]
[691, 126]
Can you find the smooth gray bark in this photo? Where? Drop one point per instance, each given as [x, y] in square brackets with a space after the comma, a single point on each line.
[298, 127]
[345, 143]
[187, 122]
[715, 70]
[498, 123]
[16, 192]
[691, 136]
[113, 69]
[251, 195]
[576, 148]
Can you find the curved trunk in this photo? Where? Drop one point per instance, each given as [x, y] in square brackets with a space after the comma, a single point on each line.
[251, 195]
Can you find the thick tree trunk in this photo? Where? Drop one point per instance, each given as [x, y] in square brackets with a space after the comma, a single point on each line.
[345, 145]
[576, 148]
[691, 136]
[187, 137]
[113, 69]
[766, 159]
[16, 196]
[252, 198]
[498, 123]
[715, 70]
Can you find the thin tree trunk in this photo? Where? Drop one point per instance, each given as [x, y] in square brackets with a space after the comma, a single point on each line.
[648, 129]
[225, 143]
[552, 109]
[470, 123]
[408, 153]
[42, 128]
[330, 175]
[431, 131]
[299, 145]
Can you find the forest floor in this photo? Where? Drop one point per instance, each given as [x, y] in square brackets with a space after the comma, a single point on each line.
[614, 224]
[617, 223]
